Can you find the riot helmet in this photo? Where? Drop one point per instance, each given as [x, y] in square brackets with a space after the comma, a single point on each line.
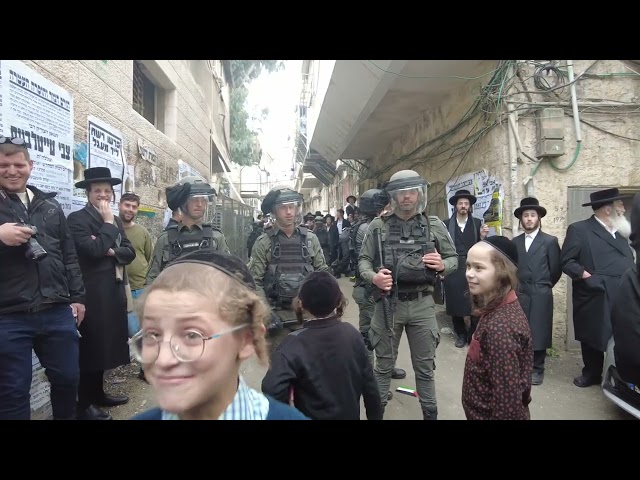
[285, 205]
[196, 199]
[407, 192]
[370, 201]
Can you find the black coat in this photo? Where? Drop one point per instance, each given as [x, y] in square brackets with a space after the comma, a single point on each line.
[539, 270]
[56, 278]
[456, 291]
[589, 246]
[625, 321]
[103, 345]
[326, 363]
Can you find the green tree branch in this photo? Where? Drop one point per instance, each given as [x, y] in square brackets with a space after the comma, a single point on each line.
[245, 148]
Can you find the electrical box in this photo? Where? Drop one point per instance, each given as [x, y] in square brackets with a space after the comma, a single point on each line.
[551, 131]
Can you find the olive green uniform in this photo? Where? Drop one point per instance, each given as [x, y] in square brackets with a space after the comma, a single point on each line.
[162, 253]
[413, 311]
[261, 258]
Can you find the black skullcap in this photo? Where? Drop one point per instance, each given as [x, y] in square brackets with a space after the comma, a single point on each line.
[228, 264]
[320, 293]
[177, 195]
[504, 246]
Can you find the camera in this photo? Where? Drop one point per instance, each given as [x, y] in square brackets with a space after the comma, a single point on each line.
[34, 251]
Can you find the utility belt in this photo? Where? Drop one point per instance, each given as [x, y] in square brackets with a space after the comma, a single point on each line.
[403, 296]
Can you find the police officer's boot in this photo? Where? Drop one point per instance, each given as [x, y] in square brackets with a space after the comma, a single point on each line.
[428, 414]
[398, 373]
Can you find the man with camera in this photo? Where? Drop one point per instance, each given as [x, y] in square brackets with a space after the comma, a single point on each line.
[41, 290]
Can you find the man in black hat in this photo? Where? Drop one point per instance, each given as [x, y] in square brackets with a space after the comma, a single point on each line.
[456, 288]
[538, 271]
[42, 295]
[594, 255]
[103, 251]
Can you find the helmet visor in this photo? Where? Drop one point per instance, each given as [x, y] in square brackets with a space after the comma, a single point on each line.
[409, 199]
[201, 208]
[288, 213]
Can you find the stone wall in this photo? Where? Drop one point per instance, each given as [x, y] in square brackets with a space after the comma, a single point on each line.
[604, 160]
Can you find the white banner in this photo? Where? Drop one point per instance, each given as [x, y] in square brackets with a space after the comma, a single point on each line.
[186, 170]
[489, 193]
[41, 112]
[105, 149]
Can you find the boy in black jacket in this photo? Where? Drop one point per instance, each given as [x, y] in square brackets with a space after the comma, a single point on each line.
[323, 368]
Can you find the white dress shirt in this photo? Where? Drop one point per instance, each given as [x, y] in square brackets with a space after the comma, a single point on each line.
[529, 238]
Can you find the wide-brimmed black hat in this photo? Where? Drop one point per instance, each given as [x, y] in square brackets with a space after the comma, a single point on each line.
[529, 203]
[602, 197]
[462, 194]
[97, 175]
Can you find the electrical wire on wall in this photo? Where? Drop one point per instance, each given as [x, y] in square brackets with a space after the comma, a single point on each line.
[545, 78]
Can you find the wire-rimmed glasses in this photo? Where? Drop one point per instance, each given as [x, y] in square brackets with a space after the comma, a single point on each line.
[188, 346]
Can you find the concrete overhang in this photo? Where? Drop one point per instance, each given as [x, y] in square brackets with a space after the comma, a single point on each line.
[319, 167]
[370, 103]
[309, 182]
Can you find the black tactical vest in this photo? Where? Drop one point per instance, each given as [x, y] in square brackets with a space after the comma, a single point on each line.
[405, 242]
[181, 243]
[290, 264]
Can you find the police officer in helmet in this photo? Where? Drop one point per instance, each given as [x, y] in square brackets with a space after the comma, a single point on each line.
[284, 255]
[372, 203]
[414, 249]
[196, 200]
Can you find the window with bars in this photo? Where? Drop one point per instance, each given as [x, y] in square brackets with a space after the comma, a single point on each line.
[144, 93]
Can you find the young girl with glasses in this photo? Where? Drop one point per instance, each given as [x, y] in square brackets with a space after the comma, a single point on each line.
[200, 319]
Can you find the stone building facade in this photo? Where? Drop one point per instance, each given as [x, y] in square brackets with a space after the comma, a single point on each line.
[167, 110]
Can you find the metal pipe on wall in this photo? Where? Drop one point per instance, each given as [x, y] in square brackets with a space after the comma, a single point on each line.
[574, 100]
[513, 157]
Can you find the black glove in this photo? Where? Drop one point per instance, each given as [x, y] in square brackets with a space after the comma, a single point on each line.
[276, 323]
[177, 195]
[269, 200]
[367, 342]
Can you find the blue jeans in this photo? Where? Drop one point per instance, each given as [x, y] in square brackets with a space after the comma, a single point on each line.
[134, 323]
[52, 333]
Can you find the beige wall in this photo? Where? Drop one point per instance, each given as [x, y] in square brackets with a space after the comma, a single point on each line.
[104, 90]
[604, 159]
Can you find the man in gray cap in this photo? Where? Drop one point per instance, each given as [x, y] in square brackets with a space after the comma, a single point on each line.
[284, 255]
[196, 199]
[401, 255]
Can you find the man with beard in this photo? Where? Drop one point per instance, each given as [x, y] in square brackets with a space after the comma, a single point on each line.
[103, 253]
[401, 255]
[538, 272]
[140, 239]
[595, 254]
[456, 288]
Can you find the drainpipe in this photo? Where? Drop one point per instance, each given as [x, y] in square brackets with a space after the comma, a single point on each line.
[513, 156]
[574, 101]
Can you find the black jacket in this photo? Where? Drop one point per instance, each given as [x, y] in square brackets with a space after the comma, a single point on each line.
[25, 283]
[326, 364]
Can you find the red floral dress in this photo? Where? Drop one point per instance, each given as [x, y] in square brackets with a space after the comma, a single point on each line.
[499, 364]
